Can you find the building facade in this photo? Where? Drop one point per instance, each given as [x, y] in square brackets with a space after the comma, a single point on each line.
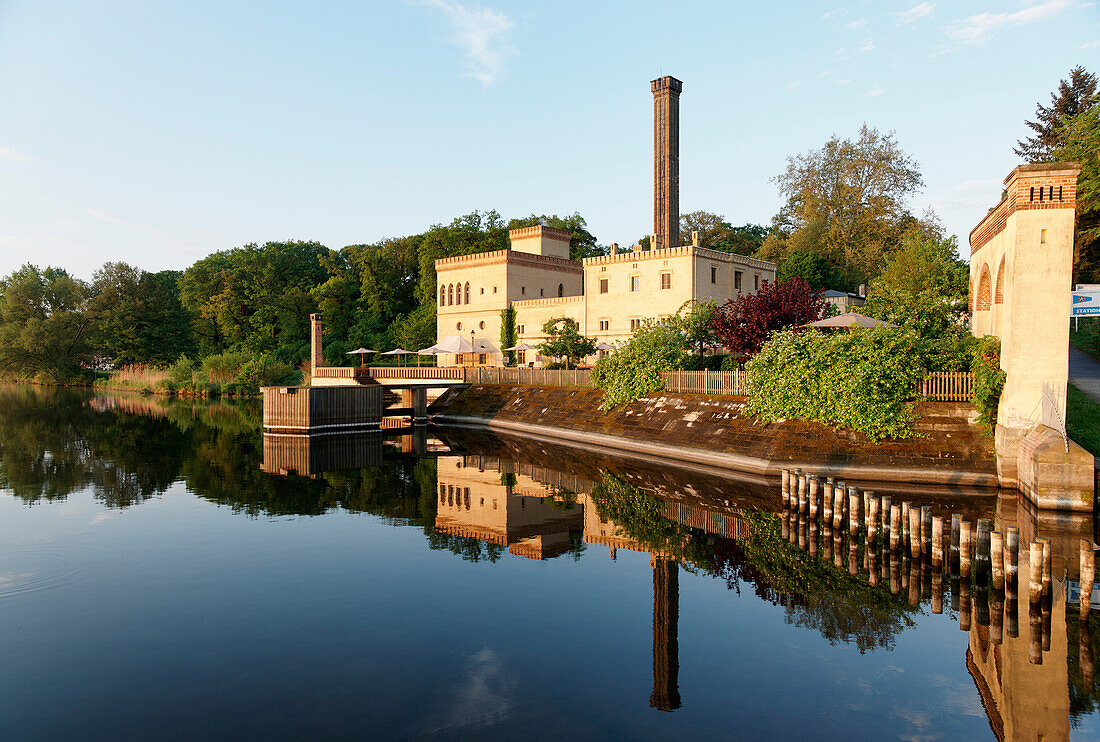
[608, 295]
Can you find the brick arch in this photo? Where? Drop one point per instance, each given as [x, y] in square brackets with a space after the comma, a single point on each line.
[983, 300]
[999, 290]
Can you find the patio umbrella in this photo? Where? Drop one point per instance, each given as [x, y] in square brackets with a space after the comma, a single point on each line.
[402, 352]
[522, 346]
[851, 319]
[454, 344]
[604, 346]
[361, 352]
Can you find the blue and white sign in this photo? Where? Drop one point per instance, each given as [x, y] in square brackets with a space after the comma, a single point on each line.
[1085, 304]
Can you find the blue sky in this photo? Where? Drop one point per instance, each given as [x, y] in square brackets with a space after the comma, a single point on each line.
[157, 133]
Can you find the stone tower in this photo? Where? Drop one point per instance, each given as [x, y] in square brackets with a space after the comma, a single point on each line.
[666, 160]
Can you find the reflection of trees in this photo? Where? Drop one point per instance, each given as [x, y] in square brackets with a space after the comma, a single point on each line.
[1083, 643]
[814, 593]
[52, 444]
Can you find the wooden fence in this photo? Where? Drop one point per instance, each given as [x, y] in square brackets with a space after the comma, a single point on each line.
[944, 386]
[948, 386]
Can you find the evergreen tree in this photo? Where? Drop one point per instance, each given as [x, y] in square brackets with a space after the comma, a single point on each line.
[1074, 96]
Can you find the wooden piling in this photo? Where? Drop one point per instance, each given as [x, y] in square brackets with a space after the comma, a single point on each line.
[872, 519]
[905, 523]
[895, 526]
[827, 502]
[937, 542]
[853, 512]
[1047, 567]
[956, 529]
[814, 494]
[1088, 575]
[964, 551]
[996, 559]
[1035, 572]
[1012, 555]
[838, 509]
[914, 533]
[926, 528]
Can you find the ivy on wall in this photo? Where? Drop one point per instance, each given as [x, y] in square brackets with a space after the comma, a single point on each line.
[989, 379]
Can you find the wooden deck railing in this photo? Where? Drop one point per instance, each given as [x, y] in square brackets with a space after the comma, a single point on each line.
[416, 372]
[529, 376]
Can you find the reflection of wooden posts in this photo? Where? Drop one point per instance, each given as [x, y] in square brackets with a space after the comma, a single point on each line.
[981, 552]
[838, 548]
[914, 583]
[964, 605]
[884, 508]
[937, 591]
[926, 528]
[420, 405]
[872, 566]
[666, 613]
[1012, 614]
[996, 624]
[1088, 574]
[812, 537]
[853, 557]
[956, 535]
[1045, 613]
[1035, 625]
[895, 574]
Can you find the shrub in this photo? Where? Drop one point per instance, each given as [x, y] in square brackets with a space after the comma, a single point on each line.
[224, 367]
[953, 352]
[182, 370]
[266, 371]
[863, 380]
[989, 379]
[166, 385]
[634, 370]
[744, 324]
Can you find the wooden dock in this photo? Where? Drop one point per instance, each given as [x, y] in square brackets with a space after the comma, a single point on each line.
[322, 409]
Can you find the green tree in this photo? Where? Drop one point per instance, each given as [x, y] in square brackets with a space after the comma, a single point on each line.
[634, 369]
[139, 315]
[508, 331]
[812, 267]
[45, 326]
[847, 201]
[564, 340]
[923, 286]
[1073, 97]
[695, 319]
[1080, 143]
[718, 234]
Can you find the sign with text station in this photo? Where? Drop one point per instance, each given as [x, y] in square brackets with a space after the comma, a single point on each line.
[1085, 304]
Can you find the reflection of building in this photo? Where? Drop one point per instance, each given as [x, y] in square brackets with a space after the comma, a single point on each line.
[492, 504]
[607, 295]
[311, 455]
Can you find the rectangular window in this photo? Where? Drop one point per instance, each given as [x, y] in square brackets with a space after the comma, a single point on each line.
[756, 282]
[521, 356]
[481, 358]
[603, 285]
[737, 280]
[520, 329]
[635, 283]
[713, 274]
[523, 289]
[605, 324]
[666, 280]
[635, 324]
[1042, 237]
[540, 292]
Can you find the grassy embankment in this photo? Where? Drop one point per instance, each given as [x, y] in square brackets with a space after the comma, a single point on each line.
[223, 374]
[1083, 420]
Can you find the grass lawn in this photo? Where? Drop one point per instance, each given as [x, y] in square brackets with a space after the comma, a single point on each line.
[1083, 420]
[1088, 339]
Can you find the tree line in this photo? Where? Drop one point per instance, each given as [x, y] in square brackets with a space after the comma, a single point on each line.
[845, 221]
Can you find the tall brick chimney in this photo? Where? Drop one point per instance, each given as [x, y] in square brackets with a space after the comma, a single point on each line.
[666, 160]
[315, 358]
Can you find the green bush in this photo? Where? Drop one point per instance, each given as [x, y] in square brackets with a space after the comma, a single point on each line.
[166, 385]
[266, 371]
[989, 379]
[730, 363]
[634, 370]
[952, 352]
[182, 370]
[221, 368]
[863, 380]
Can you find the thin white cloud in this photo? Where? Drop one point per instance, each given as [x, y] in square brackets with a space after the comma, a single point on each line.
[859, 23]
[483, 35]
[824, 74]
[11, 153]
[867, 46]
[1091, 45]
[874, 92]
[979, 28]
[843, 82]
[916, 13]
[831, 13]
[793, 85]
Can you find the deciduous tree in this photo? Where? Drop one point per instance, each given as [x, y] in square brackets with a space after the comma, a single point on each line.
[564, 340]
[745, 323]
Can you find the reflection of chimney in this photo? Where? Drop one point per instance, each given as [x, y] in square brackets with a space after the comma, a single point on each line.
[666, 650]
[666, 159]
[315, 358]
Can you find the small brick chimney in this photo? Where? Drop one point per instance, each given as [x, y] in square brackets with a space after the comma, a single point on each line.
[315, 358]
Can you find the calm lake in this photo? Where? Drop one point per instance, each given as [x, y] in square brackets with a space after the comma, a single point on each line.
[168, 573]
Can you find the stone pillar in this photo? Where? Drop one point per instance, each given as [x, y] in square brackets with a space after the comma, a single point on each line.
[666, 159]
[316, 360]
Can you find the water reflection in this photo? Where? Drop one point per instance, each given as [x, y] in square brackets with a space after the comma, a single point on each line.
[485, 498]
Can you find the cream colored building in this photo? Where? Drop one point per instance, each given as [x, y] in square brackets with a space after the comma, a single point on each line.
[608, 295]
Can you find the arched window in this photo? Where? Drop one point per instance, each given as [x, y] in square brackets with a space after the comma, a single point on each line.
[561, 290]
[458, 293]
[467, 301]
[442, 295]
[984, 292]
[450, 293]
[999, 290]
